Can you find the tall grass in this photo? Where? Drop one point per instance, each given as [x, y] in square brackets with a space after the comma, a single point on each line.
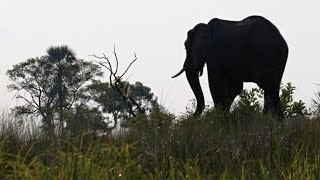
[160, 146]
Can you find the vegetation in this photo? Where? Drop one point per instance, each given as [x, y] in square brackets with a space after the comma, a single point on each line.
[113, 103]
[65, 94]
[250, 101]
[161, 146]
[75, 140]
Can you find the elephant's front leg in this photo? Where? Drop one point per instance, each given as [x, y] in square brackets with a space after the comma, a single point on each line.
[217, 89]
[224, 90]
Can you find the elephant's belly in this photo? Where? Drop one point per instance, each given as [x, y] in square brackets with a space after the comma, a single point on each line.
[252, 75]
[242, 73]
[244, 77]
[251, 70]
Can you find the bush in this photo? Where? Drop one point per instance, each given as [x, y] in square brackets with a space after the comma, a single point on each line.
[250, 101]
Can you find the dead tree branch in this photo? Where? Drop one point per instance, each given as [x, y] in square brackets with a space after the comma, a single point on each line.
[116, 82]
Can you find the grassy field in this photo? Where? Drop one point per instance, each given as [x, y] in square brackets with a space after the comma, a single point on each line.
[161, 146]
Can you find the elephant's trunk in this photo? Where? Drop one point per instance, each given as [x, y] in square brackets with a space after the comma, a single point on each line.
[194, 83]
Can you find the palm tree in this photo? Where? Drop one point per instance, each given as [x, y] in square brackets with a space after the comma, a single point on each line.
[60, 56]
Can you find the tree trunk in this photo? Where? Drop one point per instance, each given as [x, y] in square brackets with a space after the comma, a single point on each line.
[49, 125]
[61, 99]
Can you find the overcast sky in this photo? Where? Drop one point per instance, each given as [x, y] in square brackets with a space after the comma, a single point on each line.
[156, 31]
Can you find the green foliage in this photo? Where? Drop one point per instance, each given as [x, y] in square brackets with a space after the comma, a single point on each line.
[290, 107]
[113, 103]
[143, 96]
[161, 146]
[58, 53]
[250, 101]
[106, 96]
[86, 119]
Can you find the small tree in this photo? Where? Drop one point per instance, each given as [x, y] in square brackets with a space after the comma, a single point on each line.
[290, 107]
[62, 57]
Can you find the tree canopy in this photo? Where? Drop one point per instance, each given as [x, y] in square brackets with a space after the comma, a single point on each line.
[112, 102]
[50, 84]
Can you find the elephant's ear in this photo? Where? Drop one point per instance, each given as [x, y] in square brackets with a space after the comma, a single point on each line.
[188, 42]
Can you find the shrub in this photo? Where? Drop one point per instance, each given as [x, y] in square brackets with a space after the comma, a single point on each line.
[250, 101]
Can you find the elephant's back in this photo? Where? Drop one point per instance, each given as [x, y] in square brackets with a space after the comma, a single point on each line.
[227, 28]
[253, 43]
[254, 35]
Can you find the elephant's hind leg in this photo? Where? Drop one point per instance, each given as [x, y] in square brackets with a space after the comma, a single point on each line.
[272, 99]
[232, 88]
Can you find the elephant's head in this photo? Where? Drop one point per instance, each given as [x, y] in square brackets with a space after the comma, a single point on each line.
[197, 48]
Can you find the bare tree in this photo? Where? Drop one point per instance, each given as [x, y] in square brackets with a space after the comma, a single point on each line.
[116, 82]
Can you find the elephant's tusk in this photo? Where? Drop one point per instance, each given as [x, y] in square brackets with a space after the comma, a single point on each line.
[182, 70]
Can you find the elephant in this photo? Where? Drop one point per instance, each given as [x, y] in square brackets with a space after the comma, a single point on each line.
[249, 50]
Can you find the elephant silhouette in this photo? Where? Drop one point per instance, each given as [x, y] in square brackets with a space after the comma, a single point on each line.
[250, 50]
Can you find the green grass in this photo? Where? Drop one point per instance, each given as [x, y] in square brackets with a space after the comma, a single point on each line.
[161, 146]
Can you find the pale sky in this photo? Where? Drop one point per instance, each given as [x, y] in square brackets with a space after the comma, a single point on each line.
[156, 31]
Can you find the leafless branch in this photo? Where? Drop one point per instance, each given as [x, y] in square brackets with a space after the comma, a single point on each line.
[108, 61]
[116, 58]
[135, 59]
[103, 63]
[115, 80]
